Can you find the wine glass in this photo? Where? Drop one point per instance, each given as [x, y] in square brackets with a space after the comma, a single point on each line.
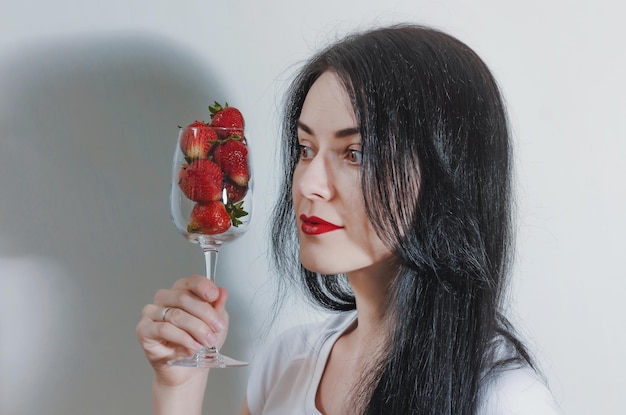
[210, 203]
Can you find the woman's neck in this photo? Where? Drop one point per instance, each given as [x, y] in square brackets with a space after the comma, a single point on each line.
[371, 288]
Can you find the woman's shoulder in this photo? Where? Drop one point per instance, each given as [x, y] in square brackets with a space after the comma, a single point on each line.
[512, 385]
[290, 359]
[301, 342]
[520, 390]
[307, 337]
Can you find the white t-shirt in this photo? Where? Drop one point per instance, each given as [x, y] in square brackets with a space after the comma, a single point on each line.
[285, 380]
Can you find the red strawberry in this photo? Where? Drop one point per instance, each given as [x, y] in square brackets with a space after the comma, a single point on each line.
[209, 218]
[228, 118]
[181, 172]
[234, 193]
[201, 181]
[232, 157]
[196, 140]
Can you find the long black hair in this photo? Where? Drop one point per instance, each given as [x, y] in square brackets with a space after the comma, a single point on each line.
[436, 180]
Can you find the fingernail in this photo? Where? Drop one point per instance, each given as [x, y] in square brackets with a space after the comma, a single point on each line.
[212, 338]
[211, 295]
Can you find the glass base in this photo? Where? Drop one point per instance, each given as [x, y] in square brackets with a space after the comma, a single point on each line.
[207, 357]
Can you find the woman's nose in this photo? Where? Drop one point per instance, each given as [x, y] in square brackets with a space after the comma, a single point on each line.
[315, 182]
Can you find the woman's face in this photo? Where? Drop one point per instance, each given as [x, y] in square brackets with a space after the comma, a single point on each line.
[335, 234]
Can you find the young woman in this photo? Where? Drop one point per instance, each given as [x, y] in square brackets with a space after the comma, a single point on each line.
[395, 214]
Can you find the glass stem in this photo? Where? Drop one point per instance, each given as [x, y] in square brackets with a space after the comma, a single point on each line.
[210, 259]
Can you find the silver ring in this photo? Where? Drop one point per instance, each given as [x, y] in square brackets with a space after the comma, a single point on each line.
[164, 313]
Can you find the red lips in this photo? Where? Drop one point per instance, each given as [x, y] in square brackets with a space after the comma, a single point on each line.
[312, 225]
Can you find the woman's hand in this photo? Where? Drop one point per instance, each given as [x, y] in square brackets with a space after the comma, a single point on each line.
[182, 319]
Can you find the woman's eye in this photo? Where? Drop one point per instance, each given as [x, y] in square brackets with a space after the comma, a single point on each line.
[355, 156]
[306, 153]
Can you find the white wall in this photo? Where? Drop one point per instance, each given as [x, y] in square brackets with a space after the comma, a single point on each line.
[90, 97]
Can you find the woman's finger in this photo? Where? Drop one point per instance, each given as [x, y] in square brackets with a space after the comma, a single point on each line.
[161, 340]
[220, 303]
[190, 304]
[199, 285]
[195, 327]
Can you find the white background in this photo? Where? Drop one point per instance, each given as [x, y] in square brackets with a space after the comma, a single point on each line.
[91, 94]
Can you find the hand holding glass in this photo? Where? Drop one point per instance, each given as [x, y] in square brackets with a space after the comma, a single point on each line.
[210, 203]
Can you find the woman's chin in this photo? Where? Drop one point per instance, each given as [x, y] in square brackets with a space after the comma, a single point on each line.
[320, 266]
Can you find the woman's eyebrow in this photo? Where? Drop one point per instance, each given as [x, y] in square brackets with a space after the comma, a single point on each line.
[346, 132]
[302, 126]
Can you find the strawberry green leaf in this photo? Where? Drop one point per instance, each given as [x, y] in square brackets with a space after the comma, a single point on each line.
[236, 211]
[216, 107]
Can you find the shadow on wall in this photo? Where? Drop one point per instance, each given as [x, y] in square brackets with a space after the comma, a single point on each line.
[88, 129]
